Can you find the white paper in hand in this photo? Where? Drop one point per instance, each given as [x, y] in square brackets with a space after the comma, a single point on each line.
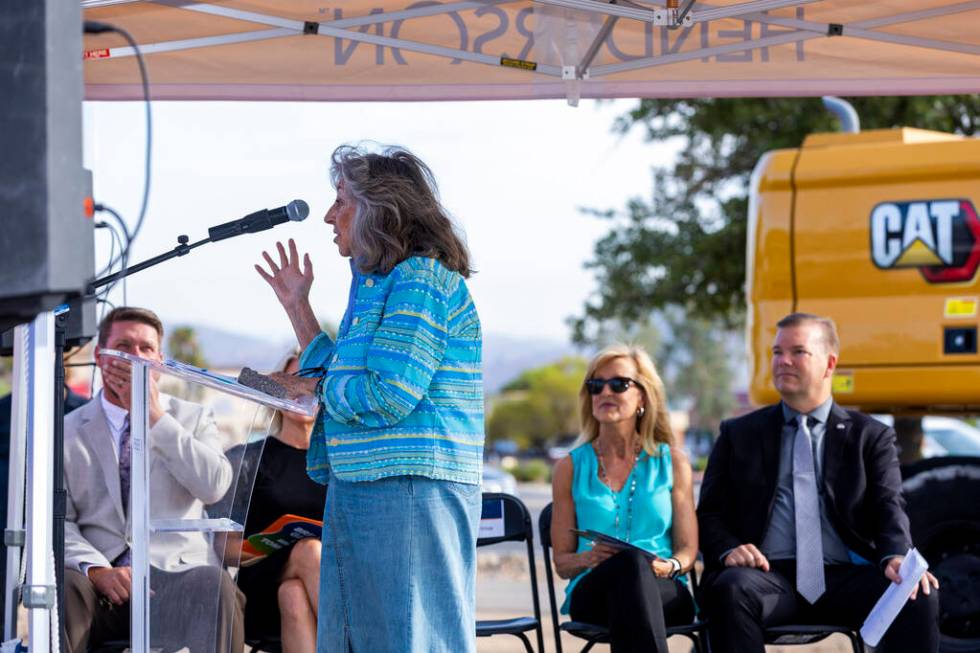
[893, 598]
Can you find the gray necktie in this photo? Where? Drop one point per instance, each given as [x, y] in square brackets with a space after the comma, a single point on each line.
[809, 545]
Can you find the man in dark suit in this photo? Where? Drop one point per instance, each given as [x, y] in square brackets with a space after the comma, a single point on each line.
[801, 516]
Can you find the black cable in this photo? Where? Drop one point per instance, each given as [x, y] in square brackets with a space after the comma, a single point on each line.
[113, 260]
[124, 253]
[112, 246]
[96, 27]
[106, 302]
[114, 238]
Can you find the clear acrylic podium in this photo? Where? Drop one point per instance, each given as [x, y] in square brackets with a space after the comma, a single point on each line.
[186, 548]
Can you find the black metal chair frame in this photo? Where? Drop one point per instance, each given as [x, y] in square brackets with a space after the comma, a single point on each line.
[265, 644]
[521, 531]
[798, 634]
[592, 633]
[803, 634]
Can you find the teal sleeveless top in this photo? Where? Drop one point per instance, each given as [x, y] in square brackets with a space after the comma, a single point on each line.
[596, 504]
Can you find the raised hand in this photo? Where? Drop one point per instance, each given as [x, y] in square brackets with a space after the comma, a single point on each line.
[290, 283]
[292, 287]
[117, 379]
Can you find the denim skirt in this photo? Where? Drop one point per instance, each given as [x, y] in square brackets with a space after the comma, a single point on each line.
[398, 570]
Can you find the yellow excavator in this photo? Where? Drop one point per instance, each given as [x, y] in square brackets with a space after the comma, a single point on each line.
[880, 231]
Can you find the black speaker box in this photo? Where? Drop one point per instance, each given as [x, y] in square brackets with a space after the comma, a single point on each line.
[46, 242]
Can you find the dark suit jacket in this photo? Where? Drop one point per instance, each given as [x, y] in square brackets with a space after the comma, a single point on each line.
[860, 476]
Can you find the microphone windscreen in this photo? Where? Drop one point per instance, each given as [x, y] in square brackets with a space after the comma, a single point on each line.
[297, 210]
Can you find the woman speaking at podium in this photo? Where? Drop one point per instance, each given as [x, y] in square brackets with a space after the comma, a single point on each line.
[399, 436]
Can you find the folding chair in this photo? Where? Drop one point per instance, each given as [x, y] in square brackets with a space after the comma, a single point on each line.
[510, 512]
[801, 634]
[794, 634]
[112, 646]
[265, 644]
[591, 633]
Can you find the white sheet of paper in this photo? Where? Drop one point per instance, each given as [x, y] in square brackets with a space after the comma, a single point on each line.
[893, 598]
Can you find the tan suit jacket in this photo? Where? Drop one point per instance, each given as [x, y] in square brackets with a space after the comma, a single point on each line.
[187, 470]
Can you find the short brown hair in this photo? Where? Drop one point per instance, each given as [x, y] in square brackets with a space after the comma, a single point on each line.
[827, 326]
[129, 314]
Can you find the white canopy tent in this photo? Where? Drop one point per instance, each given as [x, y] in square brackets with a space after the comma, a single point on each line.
[389, 50]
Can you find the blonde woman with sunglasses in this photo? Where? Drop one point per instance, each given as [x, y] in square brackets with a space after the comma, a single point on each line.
[626, 481]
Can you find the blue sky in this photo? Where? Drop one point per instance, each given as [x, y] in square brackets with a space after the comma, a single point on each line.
[514, 174]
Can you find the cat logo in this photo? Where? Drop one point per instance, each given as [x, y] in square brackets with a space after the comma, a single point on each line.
[940, 237]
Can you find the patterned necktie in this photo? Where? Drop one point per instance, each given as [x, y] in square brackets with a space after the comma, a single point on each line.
[125, 455]
[809, 543]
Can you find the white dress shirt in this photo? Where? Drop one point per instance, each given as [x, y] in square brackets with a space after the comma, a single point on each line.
[116, 418]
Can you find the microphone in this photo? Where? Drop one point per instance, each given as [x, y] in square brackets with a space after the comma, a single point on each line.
[295, 211]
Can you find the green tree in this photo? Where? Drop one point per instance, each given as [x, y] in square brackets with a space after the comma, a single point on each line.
[184, 346]
[539, 404]
[700, 362]
[640, 332]
[685, 245]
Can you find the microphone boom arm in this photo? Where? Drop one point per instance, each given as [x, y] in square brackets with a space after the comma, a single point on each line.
[182, 249]
[295, 211]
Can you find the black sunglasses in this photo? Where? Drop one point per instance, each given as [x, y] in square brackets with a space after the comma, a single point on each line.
[618, 384]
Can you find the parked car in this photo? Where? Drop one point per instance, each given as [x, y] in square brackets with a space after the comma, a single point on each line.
[945, 436]
[498, 480]
[504, 448]
[560, 447]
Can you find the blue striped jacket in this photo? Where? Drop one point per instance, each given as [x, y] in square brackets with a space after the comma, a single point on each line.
[403, 391]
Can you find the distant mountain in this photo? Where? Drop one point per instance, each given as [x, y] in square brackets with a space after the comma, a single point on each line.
[231, 351]
[504, 357]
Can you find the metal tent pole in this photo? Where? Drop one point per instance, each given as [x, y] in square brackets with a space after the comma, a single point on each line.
[59, 496]
[14, 534]
[139, 511]
[39, 594]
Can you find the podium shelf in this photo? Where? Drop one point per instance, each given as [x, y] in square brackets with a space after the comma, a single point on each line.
[221, 525]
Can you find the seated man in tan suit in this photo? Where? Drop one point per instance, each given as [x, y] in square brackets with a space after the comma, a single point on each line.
[187, 470]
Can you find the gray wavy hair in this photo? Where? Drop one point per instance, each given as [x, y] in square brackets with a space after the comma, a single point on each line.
[398, 214]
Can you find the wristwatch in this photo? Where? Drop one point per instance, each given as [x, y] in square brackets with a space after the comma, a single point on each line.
[675, 567]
